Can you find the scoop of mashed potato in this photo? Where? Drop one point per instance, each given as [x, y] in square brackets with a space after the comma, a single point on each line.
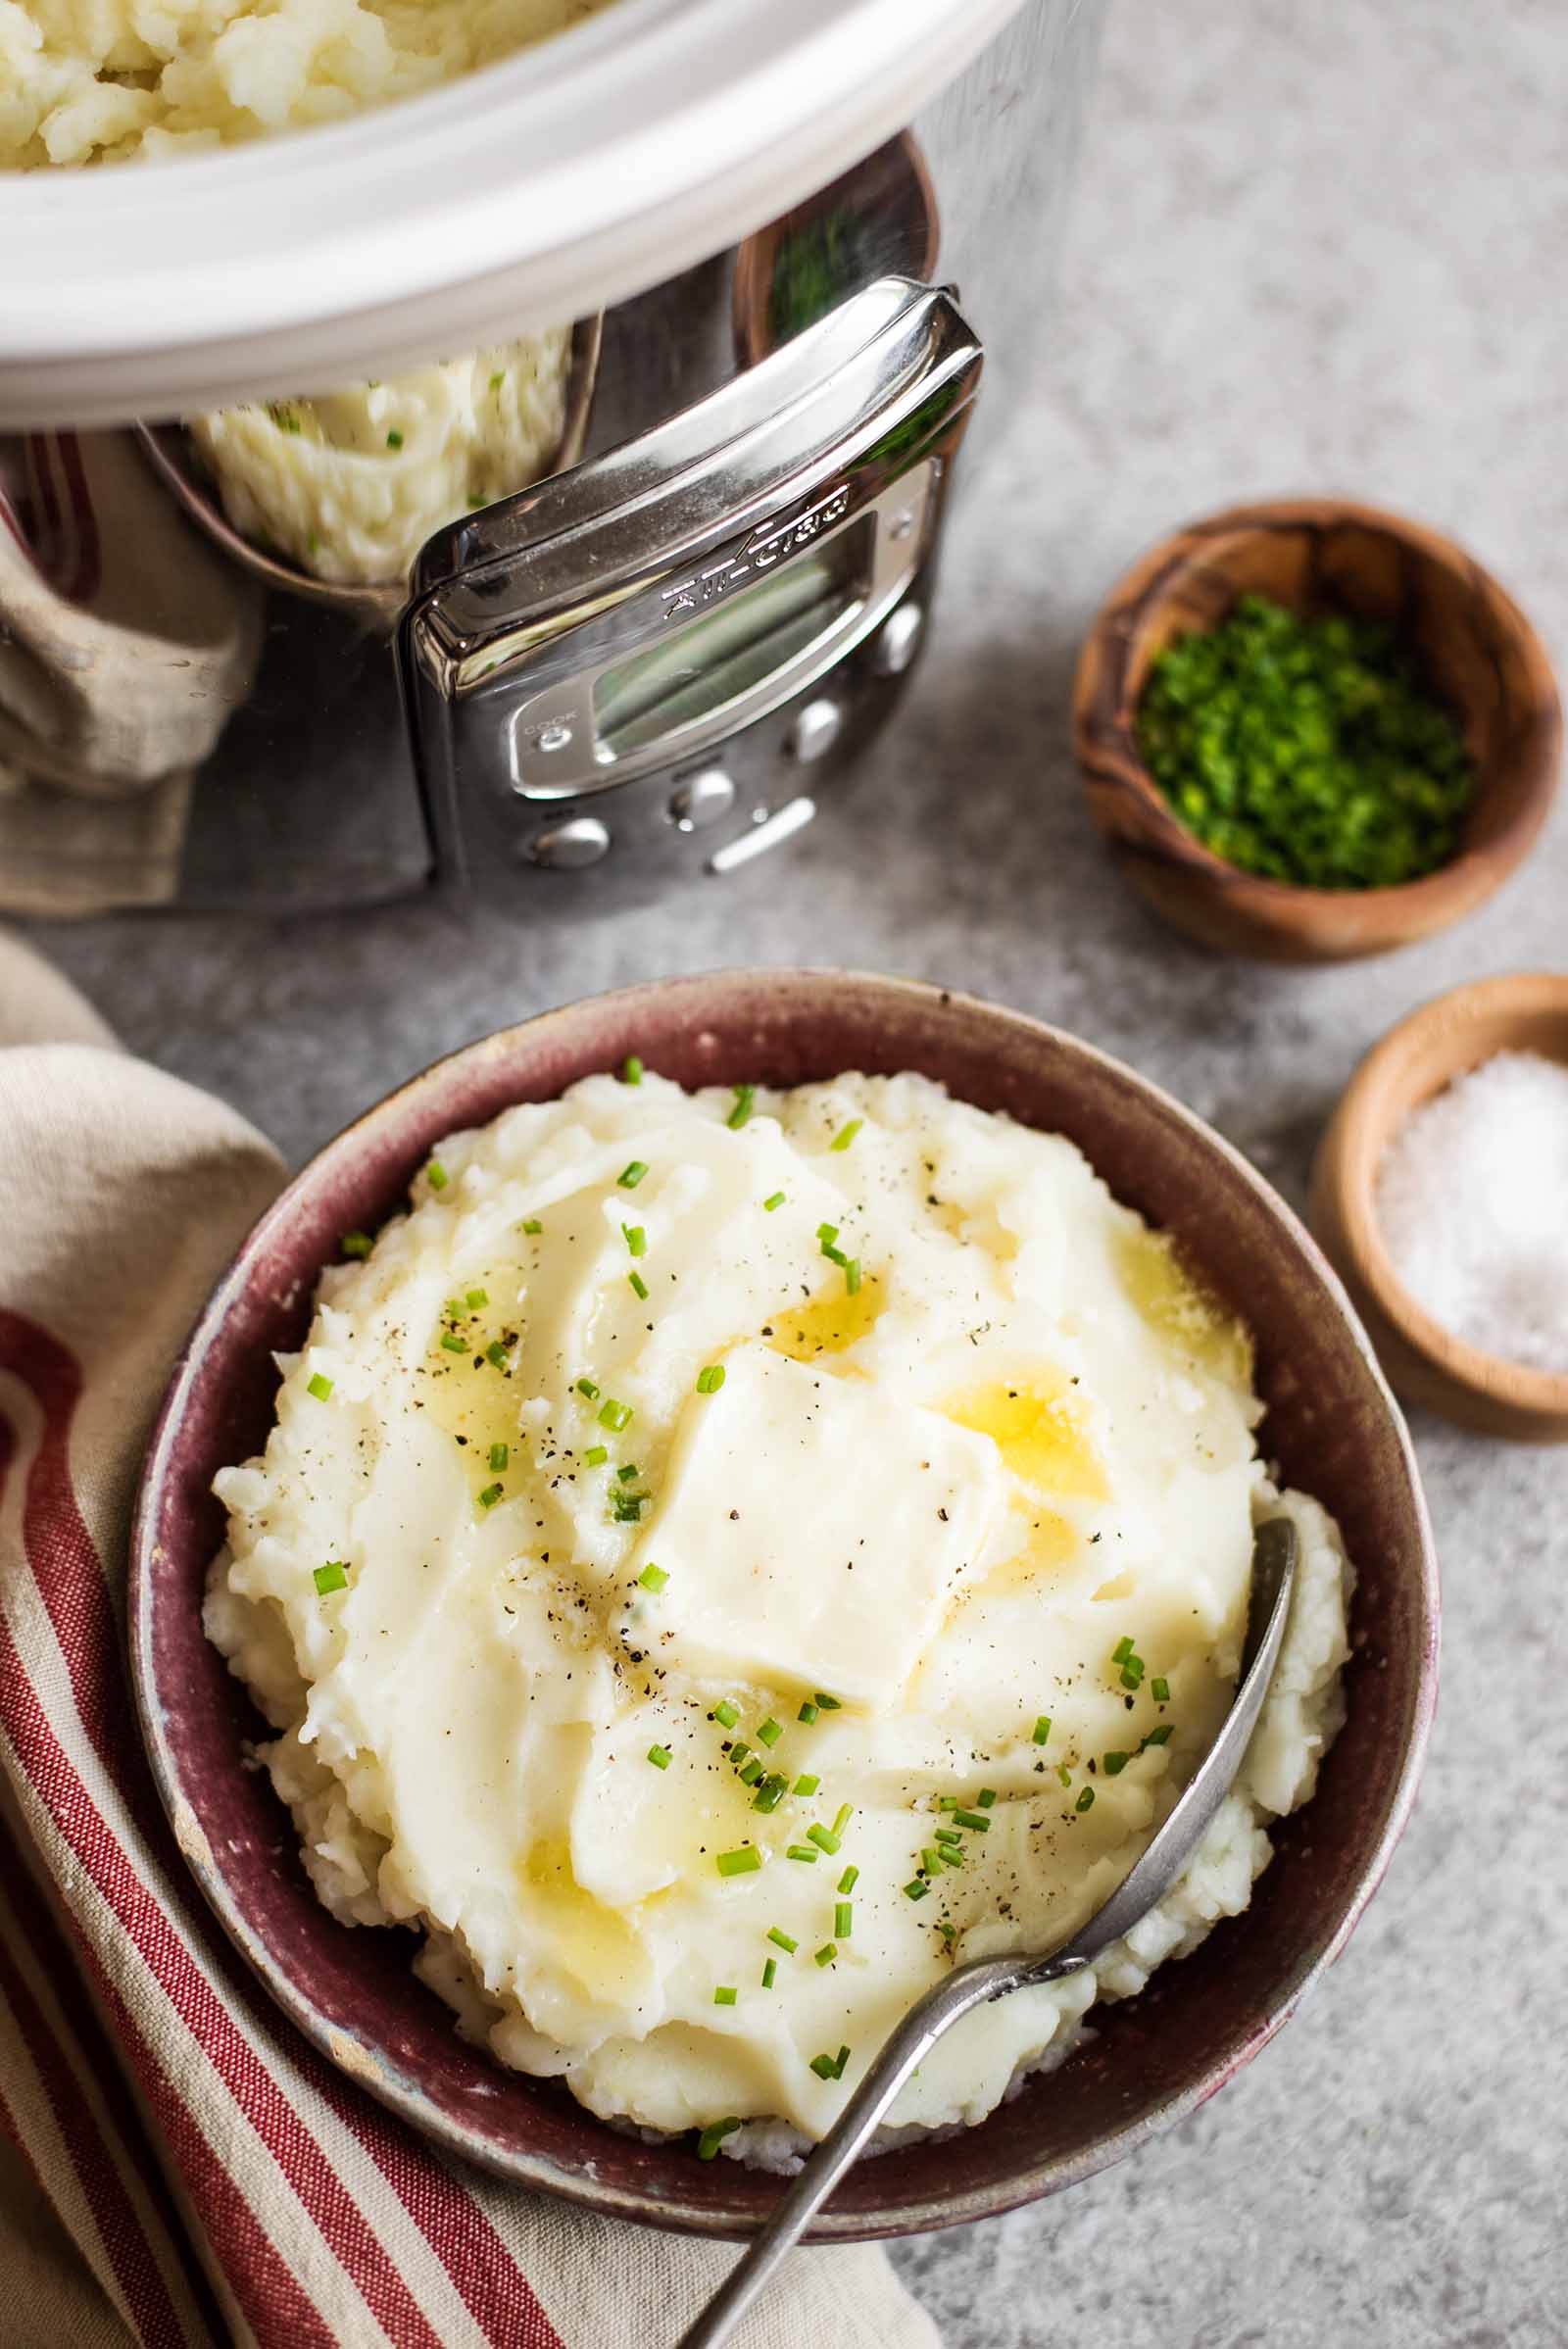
[722, 1560]
[350, 487]
[99, 84]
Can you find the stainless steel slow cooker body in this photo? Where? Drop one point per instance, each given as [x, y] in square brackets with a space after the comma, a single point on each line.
[661, 662]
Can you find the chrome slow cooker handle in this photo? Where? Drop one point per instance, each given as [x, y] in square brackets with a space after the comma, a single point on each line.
[677, 638]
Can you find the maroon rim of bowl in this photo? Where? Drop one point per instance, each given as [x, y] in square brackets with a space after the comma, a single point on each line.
[1332, 1425]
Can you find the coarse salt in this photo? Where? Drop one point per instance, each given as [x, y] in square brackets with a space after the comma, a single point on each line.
[1472, 1198]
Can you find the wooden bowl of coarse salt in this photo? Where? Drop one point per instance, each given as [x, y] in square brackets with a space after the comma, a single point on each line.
[1440, 1192]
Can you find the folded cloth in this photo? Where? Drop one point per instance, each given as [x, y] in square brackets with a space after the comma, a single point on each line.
[126, 643]
[183, 2167]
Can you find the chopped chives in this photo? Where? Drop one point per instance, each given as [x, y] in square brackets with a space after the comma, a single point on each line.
[947, 1802]
[807, 1712]
[394, 439]
[741, 1109]
[616, 1416]
[627, 1507]
[1085, 1799]
[624, 1475]
[825, 1839]
[1064, 1774]
[631, 1174]
[653, 1578]
[1159, 1690]
[845, 1814]
[743, 1862]
[631, 1070]
[807, 1783]
[843, 1918]
[930, 1860]
[985, 1798]
[1130, 1679]
[824, 2067]
[636, 1238]
[712, 2136]
[739, 1751]
[846, 1134]
[319, 1386]
[496, 1353]
[435, 1174]
[587, 1387]
[726, 1714]
[835, 1256]
[777, 1201]
[771, 1732]
[475, 1298]
[453, 1343]
[499, 1455]
[1113, 1764]
[839, 2062]
[949, 1835]
[659, 1755]
[826, 1955]
[709, 1381]
[490, 1495]
[769, 1972]
[1160, 1736]
[827, 1233]
[1121, 1651]
[639, 1286]
[974, 1819]
[782, 1940]
[823, 1704]
[333, 1576]
[356, 1243]
[851, 1277]
[849, 1880]
[799, 1851]
[949, 1856]
[533, 1226]
[596, 1455]
[1041, 1731]
[916, 1888]
[770, 1793]
[726, 1994]
[751, 1771]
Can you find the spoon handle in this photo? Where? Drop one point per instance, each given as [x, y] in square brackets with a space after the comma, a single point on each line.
[968, 1987]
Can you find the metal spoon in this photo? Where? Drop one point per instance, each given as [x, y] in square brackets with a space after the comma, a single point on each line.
[984, 1978]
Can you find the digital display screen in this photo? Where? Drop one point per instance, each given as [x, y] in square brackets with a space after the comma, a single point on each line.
[723, 653]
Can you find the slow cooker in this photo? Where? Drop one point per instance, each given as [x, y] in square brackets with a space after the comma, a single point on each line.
[785, 244]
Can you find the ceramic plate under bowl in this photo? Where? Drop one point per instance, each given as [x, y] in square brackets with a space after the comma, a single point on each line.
[1332, 1425]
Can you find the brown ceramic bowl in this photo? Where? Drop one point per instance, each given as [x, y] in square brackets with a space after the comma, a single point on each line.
[1332, 1424]
[1475, 645]
[1526, 1012]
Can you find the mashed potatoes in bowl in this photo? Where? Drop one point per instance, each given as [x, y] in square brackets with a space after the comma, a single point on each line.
[722, 1557]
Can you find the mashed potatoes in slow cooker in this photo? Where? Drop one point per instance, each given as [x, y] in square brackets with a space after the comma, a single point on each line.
[351, 486]
[102, 83]
[722, 1559]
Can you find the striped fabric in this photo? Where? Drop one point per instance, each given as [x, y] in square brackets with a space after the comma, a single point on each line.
[177, 2166]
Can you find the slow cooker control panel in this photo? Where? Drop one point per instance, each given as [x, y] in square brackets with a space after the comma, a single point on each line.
[660, 659]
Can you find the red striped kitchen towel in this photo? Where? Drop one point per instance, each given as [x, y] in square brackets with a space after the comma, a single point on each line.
[176, 2165]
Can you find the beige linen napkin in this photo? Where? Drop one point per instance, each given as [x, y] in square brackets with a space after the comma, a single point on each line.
[125, 644]
[176, 2165]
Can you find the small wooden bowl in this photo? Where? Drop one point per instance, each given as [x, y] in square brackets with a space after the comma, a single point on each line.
[1425, 1362]
[1479, 650]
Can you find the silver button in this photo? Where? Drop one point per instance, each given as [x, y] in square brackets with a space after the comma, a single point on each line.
[898, 641]
[815, 731]
[701, 799]
[566, 847]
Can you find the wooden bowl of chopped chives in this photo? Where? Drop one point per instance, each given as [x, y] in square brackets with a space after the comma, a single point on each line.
[1312, 731]
[1438, 1196]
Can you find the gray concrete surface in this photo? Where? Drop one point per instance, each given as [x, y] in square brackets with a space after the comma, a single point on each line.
[1313, 249]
